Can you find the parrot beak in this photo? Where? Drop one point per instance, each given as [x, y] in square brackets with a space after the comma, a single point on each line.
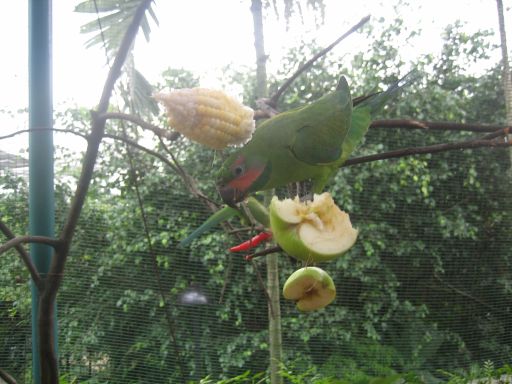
[231, 196]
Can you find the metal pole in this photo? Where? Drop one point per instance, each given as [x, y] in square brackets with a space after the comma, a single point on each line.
[41, 191]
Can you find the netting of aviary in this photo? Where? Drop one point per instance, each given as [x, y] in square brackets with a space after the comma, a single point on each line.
[158, 281]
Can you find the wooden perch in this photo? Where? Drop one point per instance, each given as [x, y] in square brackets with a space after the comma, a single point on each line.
[486, 141]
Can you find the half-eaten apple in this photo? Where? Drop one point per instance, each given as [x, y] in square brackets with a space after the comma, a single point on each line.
[311, 287]
[312, 231]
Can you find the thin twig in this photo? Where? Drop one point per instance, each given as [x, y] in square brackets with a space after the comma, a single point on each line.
[179, 169]
[188, 180]
[6, 377]
[25, 257]
[392, 123]
[44, 129]
[154, 262]
[257, 228]
[498, 133]
[140, 147]
[264, 252]
[466, 295]
[18, 240]
[263, 287]
[98, 123]
[160, 132]
[470, 144]
[273, 100]
[431, 125]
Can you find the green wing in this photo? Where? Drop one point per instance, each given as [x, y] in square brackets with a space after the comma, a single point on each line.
[323, 126]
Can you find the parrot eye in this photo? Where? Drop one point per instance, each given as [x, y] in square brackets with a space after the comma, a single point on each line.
[238, 170]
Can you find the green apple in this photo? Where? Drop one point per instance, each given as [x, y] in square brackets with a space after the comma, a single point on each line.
[311, 287]
[312, 231]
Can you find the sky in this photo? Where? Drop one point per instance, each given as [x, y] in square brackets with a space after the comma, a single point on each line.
[204, 36]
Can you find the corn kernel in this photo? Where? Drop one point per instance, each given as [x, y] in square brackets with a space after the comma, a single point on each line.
[207, 116]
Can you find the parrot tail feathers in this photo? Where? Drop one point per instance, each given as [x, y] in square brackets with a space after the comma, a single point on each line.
[377, 101]
[221, 215]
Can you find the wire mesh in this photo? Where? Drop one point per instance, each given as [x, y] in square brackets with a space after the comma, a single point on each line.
[425, 289]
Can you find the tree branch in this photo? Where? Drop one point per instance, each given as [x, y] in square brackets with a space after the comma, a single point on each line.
[170, 322]
[6, 377]
[470, 144]
[98, 122]
[160, 132]
[189, 181]
[25, 257]
[498, 133]
[18, 240]
[10, 135]
[46, 321]
[274, 99]
[430, 125]
[264, 252]
[388, 123]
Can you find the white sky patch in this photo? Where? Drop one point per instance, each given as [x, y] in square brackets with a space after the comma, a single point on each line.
[204, 36]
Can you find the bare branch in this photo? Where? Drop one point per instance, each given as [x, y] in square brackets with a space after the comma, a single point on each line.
[170, 322]
[43, 129]
[46, 321]
[499, 132]
[17, 241]
[460, 292]
[264, 252]
[257, 228]
[160, 132]
[188, 180]
[25, 257]
[98, 126]
[430, 125]
[273, 100]
[263, 287]
[470, 144]
[142, 148]
[6, 377]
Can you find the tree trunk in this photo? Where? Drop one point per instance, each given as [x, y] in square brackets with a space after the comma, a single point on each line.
[507, 75]
[274, 315]
[259, 45]
[274, 309]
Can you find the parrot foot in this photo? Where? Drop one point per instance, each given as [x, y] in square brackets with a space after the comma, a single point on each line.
[303, 189]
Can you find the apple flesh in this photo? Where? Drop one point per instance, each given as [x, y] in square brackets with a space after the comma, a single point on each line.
[312, 231]
[311, 287]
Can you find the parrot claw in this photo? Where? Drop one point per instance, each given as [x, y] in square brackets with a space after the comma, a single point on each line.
[307, 197]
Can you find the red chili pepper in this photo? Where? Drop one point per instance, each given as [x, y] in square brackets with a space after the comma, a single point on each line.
[246, 245]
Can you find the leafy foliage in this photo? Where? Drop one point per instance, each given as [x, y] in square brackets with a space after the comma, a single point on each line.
[434, 248]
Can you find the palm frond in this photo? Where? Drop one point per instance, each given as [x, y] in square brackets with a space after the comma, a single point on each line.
[112, 19]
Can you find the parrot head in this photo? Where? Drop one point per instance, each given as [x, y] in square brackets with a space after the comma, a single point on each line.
[240, 175]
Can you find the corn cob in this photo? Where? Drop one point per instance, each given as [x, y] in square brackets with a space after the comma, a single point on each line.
[207, 116]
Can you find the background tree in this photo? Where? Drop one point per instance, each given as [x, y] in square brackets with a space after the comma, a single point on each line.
[433, 250]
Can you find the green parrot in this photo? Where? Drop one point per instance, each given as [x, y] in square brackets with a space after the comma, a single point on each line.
[309, 142]
[306, 143]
